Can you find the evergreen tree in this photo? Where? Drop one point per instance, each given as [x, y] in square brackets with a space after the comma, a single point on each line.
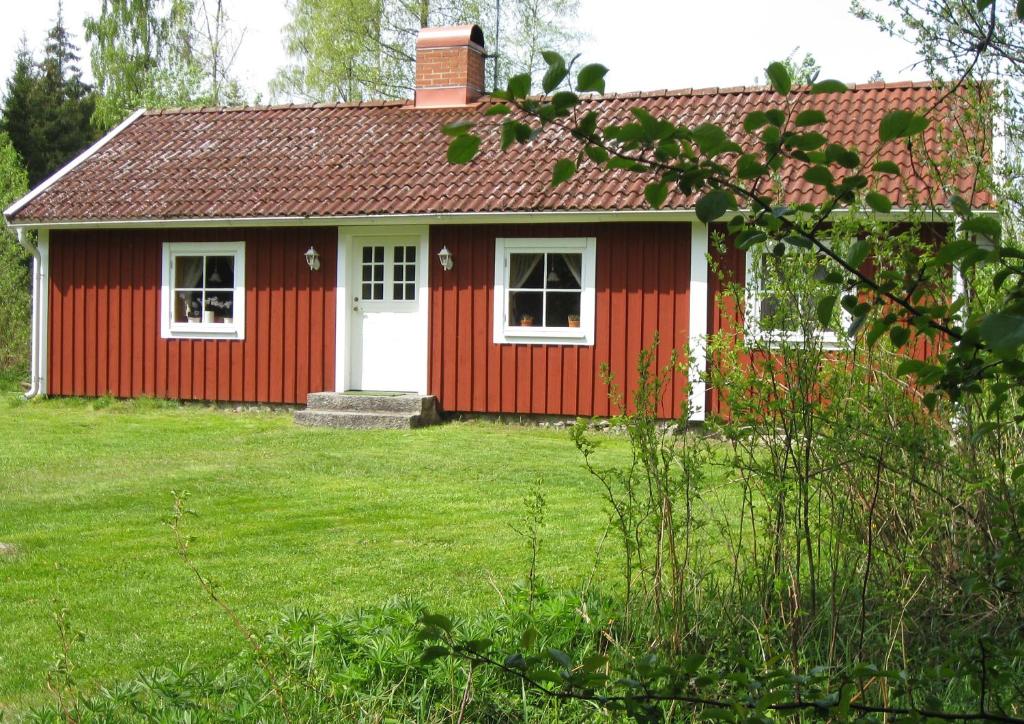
[48, 107]
[15, 300]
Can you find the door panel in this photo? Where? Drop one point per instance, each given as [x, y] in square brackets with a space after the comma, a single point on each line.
[386, 321]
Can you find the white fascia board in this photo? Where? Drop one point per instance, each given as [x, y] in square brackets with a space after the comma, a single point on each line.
[78, 161]
[481, 217]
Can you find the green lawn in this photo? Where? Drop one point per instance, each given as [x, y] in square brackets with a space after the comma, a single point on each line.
[330, 520]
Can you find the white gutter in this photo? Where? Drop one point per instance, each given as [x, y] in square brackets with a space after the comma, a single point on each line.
[37, 265]
[472, 218]
[75, 163]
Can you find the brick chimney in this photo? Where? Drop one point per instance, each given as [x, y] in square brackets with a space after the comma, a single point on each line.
[449, 66]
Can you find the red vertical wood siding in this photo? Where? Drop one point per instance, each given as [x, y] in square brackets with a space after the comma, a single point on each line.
[643, 282]
[105, 318]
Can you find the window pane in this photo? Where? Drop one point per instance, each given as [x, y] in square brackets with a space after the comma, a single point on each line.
[564, 271]
[526, 271]
[399, 254]
[525, 309]
[410, 291]
[410, 273]
[400, 273]
[220, 272]
[188, 307]
[367, 291]
[367, 273]
[222, 304]
[378, 254]
[562, 306]
[410, 254]
[188, 272]
[378, 272]
[397, 291]
[367, 254]
[378, 291]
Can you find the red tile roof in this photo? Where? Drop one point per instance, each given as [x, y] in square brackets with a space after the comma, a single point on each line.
[389, 158]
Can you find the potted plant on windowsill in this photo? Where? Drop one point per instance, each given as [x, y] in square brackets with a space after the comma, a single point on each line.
[526, 320]
[222, 311]
[574, 320]
[193, 310]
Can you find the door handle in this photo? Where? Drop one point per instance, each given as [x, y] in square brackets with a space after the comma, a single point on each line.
[355, 304]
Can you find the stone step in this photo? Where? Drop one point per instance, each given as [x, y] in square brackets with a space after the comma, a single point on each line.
[344, 402]
[361, 420]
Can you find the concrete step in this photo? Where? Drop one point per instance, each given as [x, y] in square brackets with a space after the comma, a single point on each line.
[363, 420]
[345, 402]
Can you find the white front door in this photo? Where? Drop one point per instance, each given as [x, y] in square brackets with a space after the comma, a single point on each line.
[389, 323]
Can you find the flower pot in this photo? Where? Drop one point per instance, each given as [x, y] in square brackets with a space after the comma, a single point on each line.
[574, 321]
[209, 316]
[526, 321]
[194, 320]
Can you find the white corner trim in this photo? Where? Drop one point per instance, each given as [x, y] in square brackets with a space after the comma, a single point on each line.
[581, 336]
[72, 165]
[699, 289]
[43, 343]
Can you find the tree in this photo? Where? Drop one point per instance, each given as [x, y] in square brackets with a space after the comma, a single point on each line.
[161, 53]
[355, 49]
[15, 300]
[48, 106]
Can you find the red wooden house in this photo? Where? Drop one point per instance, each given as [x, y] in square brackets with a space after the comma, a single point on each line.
[262, 254]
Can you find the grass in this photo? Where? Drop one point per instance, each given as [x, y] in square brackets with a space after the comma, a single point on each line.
[327, 520]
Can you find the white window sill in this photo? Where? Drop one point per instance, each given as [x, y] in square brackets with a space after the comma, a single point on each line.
[777, 340]
[541, 335]
[205, 330]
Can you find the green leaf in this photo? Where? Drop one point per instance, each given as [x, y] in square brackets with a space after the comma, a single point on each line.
[714, 204]
[597, 154]
[437, 620]
[432, 653]
[779, 78]
[519, 86]
[886, 167]
[556, 71]
[807, 141]
[590, 79]
[826, 305]
[457, 128]
[899, 336]
[498, 109]
[1002, 332]
[879, 203]
[656, 193]
[986, 225]
[799, 240]
[810, 118]
[858, 253]
[463, 148]
[818, 175]
[529, 638]
[560, 658]
[749, 167]
[960, 206]
[563, 171]
[755, 120]
[953, 251]
[709, 138]
[829, 86]
[845, 157]
[901, 124]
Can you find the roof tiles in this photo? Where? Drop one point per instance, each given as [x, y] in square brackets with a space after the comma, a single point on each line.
[384, 158]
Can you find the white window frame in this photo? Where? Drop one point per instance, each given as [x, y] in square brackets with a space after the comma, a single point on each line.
[583, 335]
[775, 337]
[169, 329]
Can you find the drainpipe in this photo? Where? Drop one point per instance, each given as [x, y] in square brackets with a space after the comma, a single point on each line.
[37, 270]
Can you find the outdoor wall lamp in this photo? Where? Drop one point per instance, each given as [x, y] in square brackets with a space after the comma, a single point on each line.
[312, 258]
[445, 257]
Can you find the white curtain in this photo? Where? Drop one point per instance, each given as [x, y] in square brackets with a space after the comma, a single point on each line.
[521, 266]
[575, 264]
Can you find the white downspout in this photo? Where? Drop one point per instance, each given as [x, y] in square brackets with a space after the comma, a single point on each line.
[37, 269]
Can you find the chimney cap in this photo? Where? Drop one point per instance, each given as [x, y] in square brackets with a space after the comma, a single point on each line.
[450, 37]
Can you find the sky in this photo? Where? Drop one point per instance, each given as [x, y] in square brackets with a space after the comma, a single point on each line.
[663, 44]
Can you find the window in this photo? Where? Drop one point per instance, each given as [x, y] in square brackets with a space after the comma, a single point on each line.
[203, 291]
[782, 295]
[544, 291]
[404, 274]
